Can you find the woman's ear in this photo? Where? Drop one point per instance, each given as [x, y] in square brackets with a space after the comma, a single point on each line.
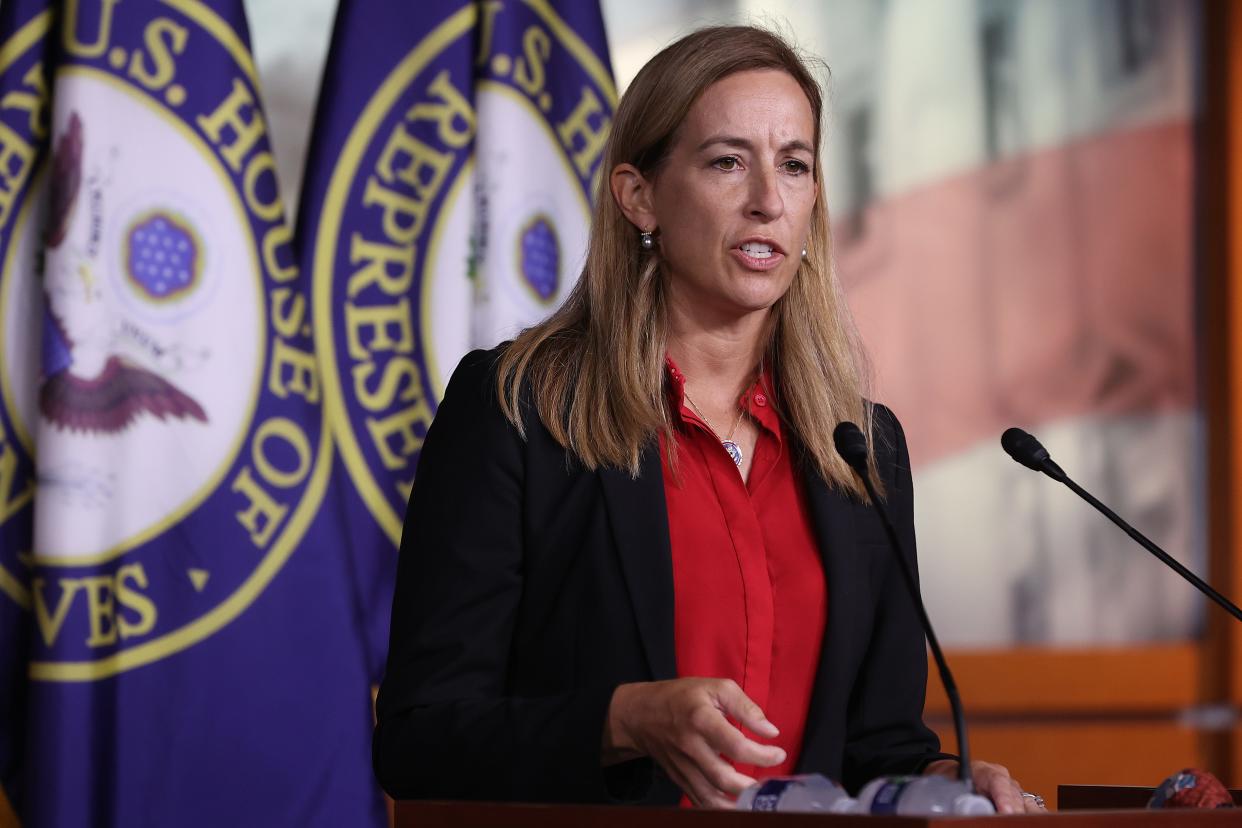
[632, 192]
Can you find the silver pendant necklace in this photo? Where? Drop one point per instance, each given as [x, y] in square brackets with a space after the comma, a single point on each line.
[734, 450]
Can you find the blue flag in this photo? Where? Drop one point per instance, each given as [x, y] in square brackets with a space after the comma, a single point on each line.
[445, 206]
[24, 119]
[180, 639]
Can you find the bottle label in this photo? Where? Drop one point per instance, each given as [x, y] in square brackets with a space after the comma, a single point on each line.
[768, 797]
[889, 794]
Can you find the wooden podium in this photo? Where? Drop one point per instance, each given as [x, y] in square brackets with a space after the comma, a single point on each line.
[411, 814]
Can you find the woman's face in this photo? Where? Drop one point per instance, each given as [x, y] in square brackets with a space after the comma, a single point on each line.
[733, 199]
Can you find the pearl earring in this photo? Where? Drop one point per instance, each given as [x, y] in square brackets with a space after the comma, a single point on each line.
[804, 252]
[646, 240]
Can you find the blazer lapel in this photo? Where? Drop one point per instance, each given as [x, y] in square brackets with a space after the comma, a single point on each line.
[832, 518]
[638, 515]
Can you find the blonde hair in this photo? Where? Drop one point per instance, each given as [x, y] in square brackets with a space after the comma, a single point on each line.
[595, 367]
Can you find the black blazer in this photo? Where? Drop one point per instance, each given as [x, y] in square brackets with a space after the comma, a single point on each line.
[528, 588]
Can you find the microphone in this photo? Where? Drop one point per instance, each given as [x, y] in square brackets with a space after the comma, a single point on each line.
[852, 446]
[1030, 452]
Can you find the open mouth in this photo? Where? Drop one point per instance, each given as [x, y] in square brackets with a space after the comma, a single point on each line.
[758, 254]
[758, 250]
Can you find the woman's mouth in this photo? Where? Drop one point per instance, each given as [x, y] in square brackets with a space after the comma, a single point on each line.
[758, 255]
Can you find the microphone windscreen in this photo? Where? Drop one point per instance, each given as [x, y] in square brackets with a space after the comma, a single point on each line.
[1191, 788]
[1024, 448]
[851, 445]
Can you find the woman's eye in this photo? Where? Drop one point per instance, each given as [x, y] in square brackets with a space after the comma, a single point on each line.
[797, 167]
[727, 163]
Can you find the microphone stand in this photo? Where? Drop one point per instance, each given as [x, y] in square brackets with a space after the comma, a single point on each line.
[852, 446]
[1045, 465]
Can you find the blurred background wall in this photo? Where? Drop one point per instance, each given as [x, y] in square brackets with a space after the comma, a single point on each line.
[1017, 190]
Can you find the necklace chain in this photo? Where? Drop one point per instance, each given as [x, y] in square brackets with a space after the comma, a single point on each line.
[730, 446]
[699, 411]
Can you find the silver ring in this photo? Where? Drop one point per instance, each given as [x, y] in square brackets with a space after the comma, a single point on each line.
[1039, 800]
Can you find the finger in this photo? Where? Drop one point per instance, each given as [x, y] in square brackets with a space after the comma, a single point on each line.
[737, 704]
[995, 781]
[1005, 794]
[722, 775]
[1031, 806]
[723, 737]
[696, 784]
[692, 793]
[680, 781]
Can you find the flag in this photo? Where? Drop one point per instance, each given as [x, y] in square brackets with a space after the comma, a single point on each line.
[171, 568]
[445, 206]
[23, 133]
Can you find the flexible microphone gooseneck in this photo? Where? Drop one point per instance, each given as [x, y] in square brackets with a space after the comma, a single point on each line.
[852, 446]
[1029, 452]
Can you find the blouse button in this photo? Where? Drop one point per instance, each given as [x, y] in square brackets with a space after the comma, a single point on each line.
[760, 399]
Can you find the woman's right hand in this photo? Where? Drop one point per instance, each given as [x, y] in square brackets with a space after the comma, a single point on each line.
[682, 725]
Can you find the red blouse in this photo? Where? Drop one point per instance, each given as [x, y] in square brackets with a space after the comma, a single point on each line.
[750, 601]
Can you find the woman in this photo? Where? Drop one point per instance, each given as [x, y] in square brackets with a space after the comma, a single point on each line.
[634, 567]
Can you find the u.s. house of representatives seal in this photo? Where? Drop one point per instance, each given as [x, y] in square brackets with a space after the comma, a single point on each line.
[456, 214]
[163, 449]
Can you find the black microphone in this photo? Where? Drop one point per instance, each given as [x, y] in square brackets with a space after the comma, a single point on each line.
[852, 446]
[1029, 452]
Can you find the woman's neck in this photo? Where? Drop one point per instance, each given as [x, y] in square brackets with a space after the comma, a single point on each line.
[719, 361]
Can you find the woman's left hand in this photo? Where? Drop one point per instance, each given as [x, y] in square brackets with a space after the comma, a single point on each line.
[994, 782]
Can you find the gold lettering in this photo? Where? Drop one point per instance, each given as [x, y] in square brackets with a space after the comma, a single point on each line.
[263, 514]
[101, 609]
[425, 170]
[50, 624]
[528, 71]
[69, 29]
[241, 117]
[380, 259]
[287, 322]
[16, 157]
[379, 318]
[284, 429]
[454, 108]
[487, 25]
[402, 425]
[35, 103]
[577, 130]
[103, 593]
[301, 368]
[131, 599]
[403, 216]
[164, 39]
[270, 210]
[11, 503]
[383, 397]
[275, 240]
[404, 488]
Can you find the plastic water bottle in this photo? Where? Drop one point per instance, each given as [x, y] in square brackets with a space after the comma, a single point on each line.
[806, 793]
[921, 796]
